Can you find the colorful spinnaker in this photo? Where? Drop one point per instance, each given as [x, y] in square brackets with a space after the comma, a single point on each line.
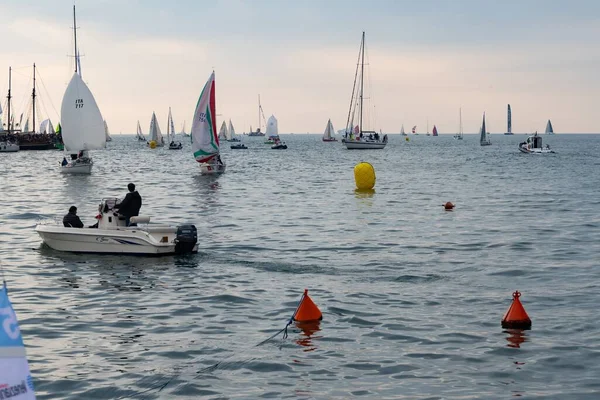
[15, 379]
[205, 142]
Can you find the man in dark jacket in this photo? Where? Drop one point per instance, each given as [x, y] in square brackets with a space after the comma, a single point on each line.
[131, 204]
[71, 220]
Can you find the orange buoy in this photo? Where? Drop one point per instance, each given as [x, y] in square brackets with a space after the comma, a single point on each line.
[516, 317]
[448, 206]
[307, 310]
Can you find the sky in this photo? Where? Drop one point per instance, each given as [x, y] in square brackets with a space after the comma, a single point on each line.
[426, 60]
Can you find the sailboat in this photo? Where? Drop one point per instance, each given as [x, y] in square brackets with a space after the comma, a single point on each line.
[329, 134]
[508, 122]
[434, 132]
[183, 132]
[484, 139]
[106, 132]
[82, 124]
[223, 131]
[155, 137]
[260, 113]
[205, 141]
[402, 131]
[363, 139]
[138, 133]
[171, 133]
[8, 142]
[459, 135]
[14, 369]
[231, 134]
[272, 130]
[549, 130]
[414, 130]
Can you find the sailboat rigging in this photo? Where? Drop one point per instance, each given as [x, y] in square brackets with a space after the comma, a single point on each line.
[260, 114]
[459, 135]
[362, 139]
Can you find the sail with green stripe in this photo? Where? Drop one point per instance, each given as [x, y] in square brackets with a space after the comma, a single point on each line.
[205, 142]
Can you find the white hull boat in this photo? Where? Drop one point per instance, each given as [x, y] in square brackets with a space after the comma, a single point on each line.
[113, 237]
[212, 169]
[363, 144]
[533, 145]
[8, 147]
[77, 167]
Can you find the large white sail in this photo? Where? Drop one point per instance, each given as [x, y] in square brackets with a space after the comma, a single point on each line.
[205, 142]
[81, 120]
[46, 127]
[231, 131]
[272, 128]
[139, 131]
[154, 133]
[15, 378]
[223, 131]
[170, 128]
[329, 131]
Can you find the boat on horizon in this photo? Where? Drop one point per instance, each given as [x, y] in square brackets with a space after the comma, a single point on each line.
[459, 135]
[329, 134]
[155, 137]
[173, 145]
[508, 122]
[533, 145]
[484, 139]
[8, 140]
[260, 113]
[549, 129]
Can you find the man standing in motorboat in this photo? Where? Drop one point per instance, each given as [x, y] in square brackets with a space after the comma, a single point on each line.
[131, 204]
[71, 220]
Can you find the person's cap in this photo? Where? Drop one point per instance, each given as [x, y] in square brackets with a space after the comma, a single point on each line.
[72, 209]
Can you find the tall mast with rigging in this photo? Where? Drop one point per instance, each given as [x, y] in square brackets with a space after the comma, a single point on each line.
[9, 97]
[33, 98]
[362, 80]
[75, 38]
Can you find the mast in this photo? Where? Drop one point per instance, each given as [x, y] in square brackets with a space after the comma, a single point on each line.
[509, 121]
[75, 36]
[460, 121]
[33, 98]
[9, 97]
[362, 79]
[258, 113]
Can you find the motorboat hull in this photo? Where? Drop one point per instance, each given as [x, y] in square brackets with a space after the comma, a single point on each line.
[8, 147]
[238, 146]
[525, 150]
[156, 240]
[330, 140]
[77, 168]
[212, 169]
[279, 147]
[363, 145]
[176, 147]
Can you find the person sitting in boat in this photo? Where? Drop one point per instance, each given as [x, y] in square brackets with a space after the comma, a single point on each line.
[385, 139]
[219, 161]
[73, 157]
[376, 136]
[64, 161]
[172, 143]
[131, 204]
[71, 220]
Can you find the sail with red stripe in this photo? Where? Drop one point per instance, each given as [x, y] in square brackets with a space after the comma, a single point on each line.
[205, 142]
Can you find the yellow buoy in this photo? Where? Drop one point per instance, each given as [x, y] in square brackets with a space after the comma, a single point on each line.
[152, 144]
[407, 139]
[364, 175]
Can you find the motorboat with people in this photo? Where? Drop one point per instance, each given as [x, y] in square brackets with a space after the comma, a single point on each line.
[7, 146]
[279, 146]
[175, 146]
[238, 146]
[111, 235]
[533, 145]
[80, 163]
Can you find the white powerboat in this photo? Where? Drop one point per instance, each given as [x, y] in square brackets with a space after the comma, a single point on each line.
[8, 147]
[82, 165]
[112, 236]
[533, 145]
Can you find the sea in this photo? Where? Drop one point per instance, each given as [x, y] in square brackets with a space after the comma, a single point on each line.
[412, 296]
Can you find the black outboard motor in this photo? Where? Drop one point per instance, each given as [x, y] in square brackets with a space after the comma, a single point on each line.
[187, 237]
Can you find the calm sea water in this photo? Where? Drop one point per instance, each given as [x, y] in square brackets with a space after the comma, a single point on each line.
[412, 296]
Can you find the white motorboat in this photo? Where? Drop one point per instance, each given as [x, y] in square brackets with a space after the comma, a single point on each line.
[82, 165]
[533, 145]
[113, 237]
[205, 141]
[8, 147]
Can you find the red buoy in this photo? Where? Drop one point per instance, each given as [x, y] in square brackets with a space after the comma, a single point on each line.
[448, 206]
[307, 310]
[516, 317]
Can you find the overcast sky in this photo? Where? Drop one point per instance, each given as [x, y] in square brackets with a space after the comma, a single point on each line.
[426, 59]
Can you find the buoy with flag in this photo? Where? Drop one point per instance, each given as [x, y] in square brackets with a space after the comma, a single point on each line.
[364, 176]
[15, 379]
[516, 317]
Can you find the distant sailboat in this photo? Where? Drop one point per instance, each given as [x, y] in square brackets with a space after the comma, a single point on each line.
[329, 134]
[260, 114]
[171, 133]
[459, 135]
[508, 122]
[402, 131]
[205, 141]
[106, 132]
[183, 132]
[549, 130]
[154, 134]
[414, 130]
[484, 139]
[231, 133]
[138, 134]
[272, 128]
[223, 131]
[434, 132]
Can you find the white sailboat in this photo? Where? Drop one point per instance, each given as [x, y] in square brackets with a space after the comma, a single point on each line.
[138, 133]
[361, 139]
[549, 129]
[484, 139]
[205, 141]
[106, 132]
[402, 131]
[81, 123]
[508, 121]
[459, 135]
[223, 131]
[173, 145]
[231, 134]
[272, 129]
[155, 134]
[8, 142]
[183, 132]
[16, 380]
[260, 114]
[329, 134]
